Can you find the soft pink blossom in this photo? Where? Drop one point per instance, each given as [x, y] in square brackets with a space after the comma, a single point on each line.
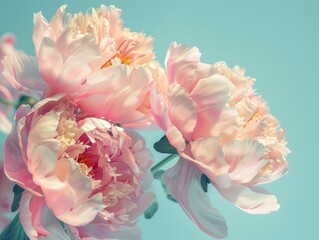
[222, 129]
[93, 55]
[79, 169]
[7, 93]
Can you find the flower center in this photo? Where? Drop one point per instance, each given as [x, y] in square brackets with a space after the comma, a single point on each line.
[124, 60]
[67, 130]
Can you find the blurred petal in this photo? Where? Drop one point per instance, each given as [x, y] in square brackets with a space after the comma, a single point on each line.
[22, 72]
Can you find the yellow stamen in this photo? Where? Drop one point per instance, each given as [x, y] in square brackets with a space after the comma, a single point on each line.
[124, 60]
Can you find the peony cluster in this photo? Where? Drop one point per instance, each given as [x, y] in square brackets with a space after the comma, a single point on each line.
[79, 168]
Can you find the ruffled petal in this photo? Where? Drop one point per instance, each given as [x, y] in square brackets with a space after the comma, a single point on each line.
[57, 22]
[118, 96]
[181, 63]
[245, 158]
[183, 182]
[211, 92]
[14, 165]
[41, 29]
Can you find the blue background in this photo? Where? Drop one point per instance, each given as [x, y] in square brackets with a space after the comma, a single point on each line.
[277, 42]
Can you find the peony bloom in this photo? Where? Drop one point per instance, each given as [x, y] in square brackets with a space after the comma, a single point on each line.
[83, 171]
[7, 93]
[222, 132]
[95, 59]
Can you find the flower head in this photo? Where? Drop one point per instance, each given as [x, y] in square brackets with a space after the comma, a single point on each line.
[224, 135]
[81, 168]
[95, 58]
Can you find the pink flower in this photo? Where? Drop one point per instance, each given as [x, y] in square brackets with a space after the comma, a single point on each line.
[94, 57]
[7, 93]
[82, 170]
[221, 129]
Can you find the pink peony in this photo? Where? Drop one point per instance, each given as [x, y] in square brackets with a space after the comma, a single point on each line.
[95, 59]
[82, 170]
[7, 93]
[221, 129]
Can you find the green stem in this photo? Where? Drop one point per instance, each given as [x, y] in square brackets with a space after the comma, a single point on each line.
[159, 165]
[8, 103]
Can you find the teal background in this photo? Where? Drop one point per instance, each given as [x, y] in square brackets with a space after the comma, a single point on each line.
[277, 42]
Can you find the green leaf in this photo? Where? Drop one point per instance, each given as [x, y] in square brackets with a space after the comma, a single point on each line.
[151, 210]
[204, 181]
[24, 99]
[14, 231]
[158, 175]
[17, 190]
[164, 146]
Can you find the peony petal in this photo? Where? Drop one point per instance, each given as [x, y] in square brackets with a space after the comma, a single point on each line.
[181, 63]
[208, 157]
[143, 202]
[216, 122]
[211, 92]
[182, 110]
[100, 229]
[22, 72]
[71, 185]
[246, 158]
[14, 165]
[41, 29]
[38, 221]
[49, 56]
[253, 200]
[57, 22]
[183, 181]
